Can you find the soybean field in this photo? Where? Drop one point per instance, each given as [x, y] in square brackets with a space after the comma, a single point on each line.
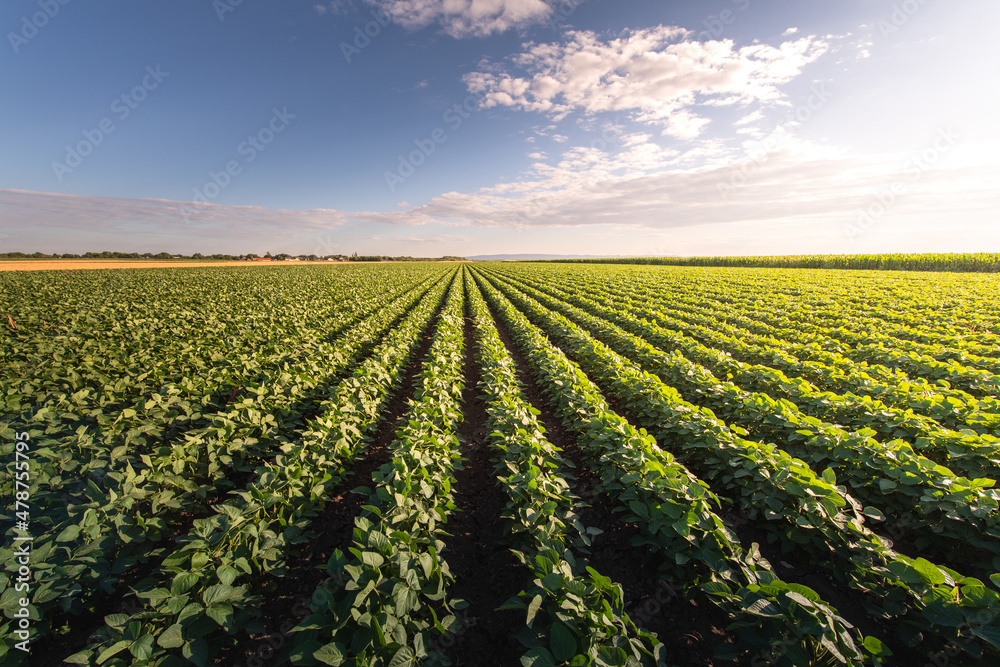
[502, 464]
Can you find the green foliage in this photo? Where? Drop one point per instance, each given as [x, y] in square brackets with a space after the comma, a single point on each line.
[187, 426]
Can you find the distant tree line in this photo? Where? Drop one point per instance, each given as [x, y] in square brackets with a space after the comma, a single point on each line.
[109, 254]
[958, 262]
[406, 258]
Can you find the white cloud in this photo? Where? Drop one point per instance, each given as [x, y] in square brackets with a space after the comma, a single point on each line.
[436, 239]
[753, 117]
[637, 183]
[466, 18]
[659, 76]
[23, 208]
[647, 186]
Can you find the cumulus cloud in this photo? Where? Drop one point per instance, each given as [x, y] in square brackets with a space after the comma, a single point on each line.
[466, 18]
[644, 185]
[659, 76]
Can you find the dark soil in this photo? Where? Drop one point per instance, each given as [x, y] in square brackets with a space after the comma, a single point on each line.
[486, 573]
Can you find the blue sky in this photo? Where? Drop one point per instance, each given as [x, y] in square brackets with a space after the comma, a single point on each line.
[474, 127]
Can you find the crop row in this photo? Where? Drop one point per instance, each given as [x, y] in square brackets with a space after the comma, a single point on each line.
[803, 509]
[709, 308]
[195, 595]
[386, 603]
[888, 475]
[754, 342]
[968, 453]
[573, 614]
[676, 511]
[100, 511]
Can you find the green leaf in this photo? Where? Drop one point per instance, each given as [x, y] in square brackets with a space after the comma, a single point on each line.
[113, 650]
[116, 621]
[538, 657]
[989, 633]
[533, 607]
[404, 657]
[886, 485]
[218, 593]
[154, 595]
[183, 582]
[905, 572]
[930, 573]
[804, 591]
[639, 509]
[378, 540]
[562, 642]
[764, 608]
[372, 559]
[142, 648]
[331, 654]
[227, 574]
[873, 513]
[406, 600]
[874, 646]
[221, 613]
[172, 637]
[800, 599]
[68, 534]
[944, 615]
[196, 651]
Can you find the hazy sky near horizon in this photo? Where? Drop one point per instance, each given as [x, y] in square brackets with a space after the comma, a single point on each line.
[469, 127]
